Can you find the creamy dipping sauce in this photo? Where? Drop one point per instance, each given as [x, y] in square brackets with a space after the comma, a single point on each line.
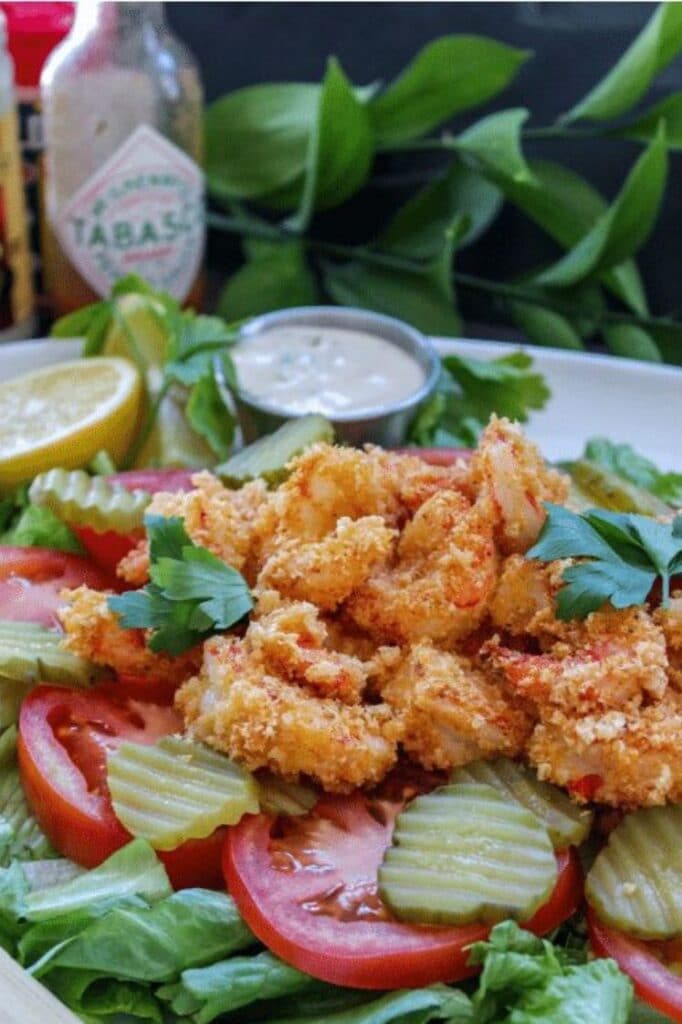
[328, 370]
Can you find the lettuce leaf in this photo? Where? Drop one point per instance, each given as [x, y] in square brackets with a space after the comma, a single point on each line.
[625, 462]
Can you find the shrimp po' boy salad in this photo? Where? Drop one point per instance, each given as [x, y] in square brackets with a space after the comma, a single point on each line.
[314, 733]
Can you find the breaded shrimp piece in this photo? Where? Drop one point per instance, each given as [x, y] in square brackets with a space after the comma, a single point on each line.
[93, 632]
[452, 713]
[290, 640]
[509, 469]
[327, 571]
[214, 517]
[415, 481]
[615, 660]
[329, 483]
[523, 604]
[670, 621]
[623, 758]
[265, 722]
[438, 586]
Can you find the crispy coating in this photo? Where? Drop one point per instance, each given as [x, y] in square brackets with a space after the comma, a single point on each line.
[631, 758]
[263, 721]
[452, 713]
[670, 621]
[214, 517]
[440, 581]
[523, 604]
[93, 632]
[509, 469]
[327, 571]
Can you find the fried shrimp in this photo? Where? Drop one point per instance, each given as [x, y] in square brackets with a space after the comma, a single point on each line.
[509, 469]
[93, 632]
[524, 605]
[264, 721]
[214, 517]
[327, 571]
[439, 583]
[451, 712]
[627, 758]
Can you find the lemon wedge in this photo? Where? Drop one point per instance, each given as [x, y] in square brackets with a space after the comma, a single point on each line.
[63, 415]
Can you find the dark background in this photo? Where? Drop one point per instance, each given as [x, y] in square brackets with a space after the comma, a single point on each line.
[574, 44]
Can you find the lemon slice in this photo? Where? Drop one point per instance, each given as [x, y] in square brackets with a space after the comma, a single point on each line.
[63, 415]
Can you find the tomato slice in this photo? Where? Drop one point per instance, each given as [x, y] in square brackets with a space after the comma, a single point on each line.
[307, 888]
[654, 983]
[31, 580]
[108, 548]
[64, 738]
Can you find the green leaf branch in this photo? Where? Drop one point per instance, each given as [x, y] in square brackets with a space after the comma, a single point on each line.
[280, 155]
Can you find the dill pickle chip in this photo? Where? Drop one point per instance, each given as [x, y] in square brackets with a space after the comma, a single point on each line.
[635, 883]
[611, 491]
[567, 823]
[82, 500]
[268, 457]
[30, 653]
[177, 790]
[465, 853]
[277, 796]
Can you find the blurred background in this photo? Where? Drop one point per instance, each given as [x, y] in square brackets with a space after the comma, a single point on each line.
[574, 44]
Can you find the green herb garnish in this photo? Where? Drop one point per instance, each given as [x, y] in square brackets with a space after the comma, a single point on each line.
[470, 390]
[625, 554]
[192, 594]
[625, 462]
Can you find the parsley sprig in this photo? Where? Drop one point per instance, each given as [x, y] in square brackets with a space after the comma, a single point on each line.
[624, 555]
[192, 594]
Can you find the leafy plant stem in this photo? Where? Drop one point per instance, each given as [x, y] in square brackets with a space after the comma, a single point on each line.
[147, 427]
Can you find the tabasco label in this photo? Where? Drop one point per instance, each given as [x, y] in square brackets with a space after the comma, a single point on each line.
[141, 212]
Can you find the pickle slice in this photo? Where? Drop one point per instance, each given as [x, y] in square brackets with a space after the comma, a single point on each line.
[608, 490]
[635, 883]
[177, 790]
[277, 796]
[82, 500]
[464, 853]
[22, 837]
[567, 823]
[268, 457]
[29, 653]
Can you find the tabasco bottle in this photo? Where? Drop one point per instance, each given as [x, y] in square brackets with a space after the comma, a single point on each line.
[123, 190]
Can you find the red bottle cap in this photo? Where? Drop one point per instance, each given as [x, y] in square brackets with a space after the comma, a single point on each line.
[33, 31]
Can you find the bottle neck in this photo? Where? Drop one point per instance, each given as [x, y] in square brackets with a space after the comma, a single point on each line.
[118, 19]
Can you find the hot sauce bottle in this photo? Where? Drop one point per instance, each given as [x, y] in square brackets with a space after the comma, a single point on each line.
[123, 189]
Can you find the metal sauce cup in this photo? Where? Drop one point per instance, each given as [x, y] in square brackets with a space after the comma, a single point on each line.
[384, 424]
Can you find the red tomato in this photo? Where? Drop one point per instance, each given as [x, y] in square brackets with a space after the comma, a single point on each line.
[108, 548]
[64, 738]
[31, 580]
[307, 887]
[654, 983]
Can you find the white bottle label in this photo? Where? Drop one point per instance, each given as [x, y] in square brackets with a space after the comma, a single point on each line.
[142, 212]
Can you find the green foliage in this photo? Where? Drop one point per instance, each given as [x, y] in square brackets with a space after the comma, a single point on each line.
[299, 149]
[192, 594]
[625, 462]
[624, 556]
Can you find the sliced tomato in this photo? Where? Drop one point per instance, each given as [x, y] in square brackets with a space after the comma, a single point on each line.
[108, 548]
[64, 738]
[654, 983]
[307, 887]
[31, 580]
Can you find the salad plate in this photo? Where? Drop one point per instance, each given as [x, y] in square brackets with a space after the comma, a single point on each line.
[629, 401]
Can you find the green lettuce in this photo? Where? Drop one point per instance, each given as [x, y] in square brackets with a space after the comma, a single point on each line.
[624, 461]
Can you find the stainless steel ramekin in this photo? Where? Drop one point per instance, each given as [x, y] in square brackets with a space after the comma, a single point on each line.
[385, 424]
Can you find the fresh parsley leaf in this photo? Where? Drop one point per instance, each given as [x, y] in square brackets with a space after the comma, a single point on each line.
[470, 390]
[625, 462]
[192, 594]
[625, 555]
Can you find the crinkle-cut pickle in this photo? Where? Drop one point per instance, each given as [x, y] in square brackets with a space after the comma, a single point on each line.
[82, 500]
[278, 796]
[177, 790]
[567, 823]
[466, 853]
[268, 457]
[635, 883]
[30, 653]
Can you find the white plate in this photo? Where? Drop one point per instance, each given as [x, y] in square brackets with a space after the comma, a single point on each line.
[623, 399]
